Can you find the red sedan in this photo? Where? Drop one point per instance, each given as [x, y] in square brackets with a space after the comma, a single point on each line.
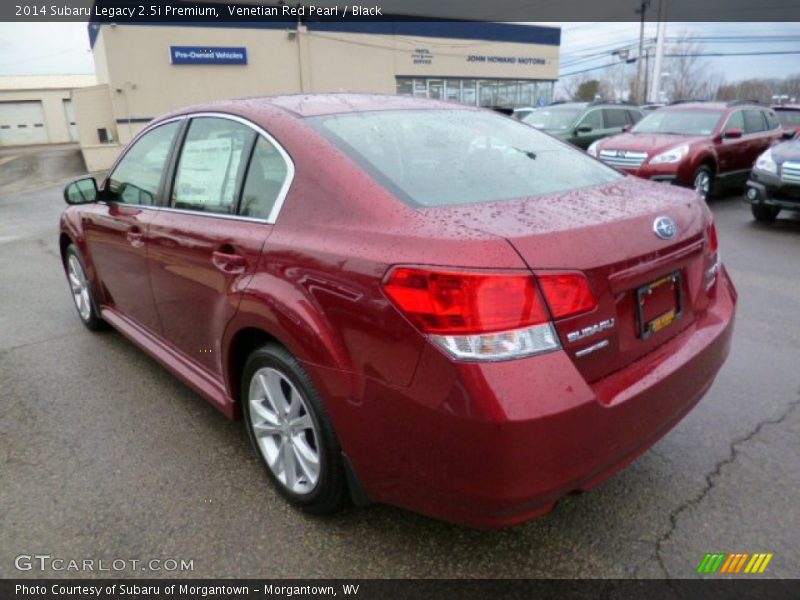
[408, 301]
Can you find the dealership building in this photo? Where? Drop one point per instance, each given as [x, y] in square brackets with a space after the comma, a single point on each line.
[146, 70]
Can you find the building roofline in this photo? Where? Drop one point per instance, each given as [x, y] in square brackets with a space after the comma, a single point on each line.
[399, 25]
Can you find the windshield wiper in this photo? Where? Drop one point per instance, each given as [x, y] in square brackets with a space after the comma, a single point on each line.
[529, 153]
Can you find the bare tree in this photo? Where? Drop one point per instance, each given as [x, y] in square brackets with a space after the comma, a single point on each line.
[690, 76]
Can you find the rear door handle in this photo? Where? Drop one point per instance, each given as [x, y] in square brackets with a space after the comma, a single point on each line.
[228, 261]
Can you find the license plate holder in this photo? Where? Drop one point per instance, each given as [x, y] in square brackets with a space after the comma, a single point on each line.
[659, 304]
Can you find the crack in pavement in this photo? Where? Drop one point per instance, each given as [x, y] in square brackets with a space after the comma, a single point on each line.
[711, 481]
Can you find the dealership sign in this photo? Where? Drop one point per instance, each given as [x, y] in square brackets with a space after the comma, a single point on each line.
[207, 55]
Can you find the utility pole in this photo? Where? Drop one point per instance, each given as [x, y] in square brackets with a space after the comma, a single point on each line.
[641, 93]
[655, 85]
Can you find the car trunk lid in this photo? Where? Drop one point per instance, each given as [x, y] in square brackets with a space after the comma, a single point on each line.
[607, 232]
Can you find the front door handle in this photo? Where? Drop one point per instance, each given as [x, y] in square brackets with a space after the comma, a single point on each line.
[228, 261]
[135, 236]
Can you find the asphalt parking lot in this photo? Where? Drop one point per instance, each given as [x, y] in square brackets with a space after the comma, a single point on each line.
[104, 455]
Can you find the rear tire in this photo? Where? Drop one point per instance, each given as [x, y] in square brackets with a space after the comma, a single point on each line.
[763, 213]
[290, 431]
[703, 181]
[81, 289]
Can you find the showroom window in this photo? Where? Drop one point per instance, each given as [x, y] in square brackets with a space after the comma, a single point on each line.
[509, 93]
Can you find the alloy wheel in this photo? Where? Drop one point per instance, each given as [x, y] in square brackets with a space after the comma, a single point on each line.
[79, 286]
[285, 432]
[702, 183]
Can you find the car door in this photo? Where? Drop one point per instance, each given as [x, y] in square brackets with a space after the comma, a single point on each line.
[116, 228]
[229, 180]
[732, 152]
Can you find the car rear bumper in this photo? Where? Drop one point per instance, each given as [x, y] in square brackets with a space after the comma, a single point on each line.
[494, 444]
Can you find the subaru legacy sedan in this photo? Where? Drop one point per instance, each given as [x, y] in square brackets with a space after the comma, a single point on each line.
[407, 301]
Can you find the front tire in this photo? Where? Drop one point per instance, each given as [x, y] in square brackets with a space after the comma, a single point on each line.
[763, 213]
[703, 181]
[81, 289]
[290, 431]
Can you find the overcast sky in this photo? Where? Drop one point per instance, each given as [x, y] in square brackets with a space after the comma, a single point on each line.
[60, 48]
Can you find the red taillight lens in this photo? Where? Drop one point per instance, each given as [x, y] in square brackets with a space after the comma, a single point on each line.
[566, 293]
[459, 303]
[711, 236]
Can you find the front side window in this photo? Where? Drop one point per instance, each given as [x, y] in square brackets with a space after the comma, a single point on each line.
[593, 119]
[211, 165]
[265, 179]
[446, 157]
[680, 122]
[137, 177]
[735, 121]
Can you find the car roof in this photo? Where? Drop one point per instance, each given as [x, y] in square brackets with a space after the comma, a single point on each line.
[310, 105]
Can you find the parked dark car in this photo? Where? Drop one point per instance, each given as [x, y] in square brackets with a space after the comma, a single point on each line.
[774, 184]
[704, 145]
[408, 301]
[582, 123]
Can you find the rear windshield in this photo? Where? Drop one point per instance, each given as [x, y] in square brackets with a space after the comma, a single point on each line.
[444, 157]
[788, 118]
[554, 119]
[680, 122]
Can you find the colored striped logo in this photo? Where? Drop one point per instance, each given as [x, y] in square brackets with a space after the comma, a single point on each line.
[743, 562]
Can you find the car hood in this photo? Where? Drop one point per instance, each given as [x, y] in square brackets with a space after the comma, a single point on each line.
[652, 143]
[786, 151]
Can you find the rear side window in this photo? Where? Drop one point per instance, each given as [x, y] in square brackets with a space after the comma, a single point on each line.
[754, 121]
[446, 157]
[264, 183]
[634, 116]
[137, 177]
[614, 117]
[772, 120]
[211, 165]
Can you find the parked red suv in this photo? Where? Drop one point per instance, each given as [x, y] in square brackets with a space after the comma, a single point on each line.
[408, 301]
[704, 145]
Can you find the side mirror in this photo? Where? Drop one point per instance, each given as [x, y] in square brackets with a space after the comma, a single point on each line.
[627, 128]
[789, 134]
[583, 129]
[733, 134]
[82, 191]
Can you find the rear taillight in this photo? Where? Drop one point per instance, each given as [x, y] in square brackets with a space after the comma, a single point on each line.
[712, 253]
[567, 294]
[711, 237]
[486, 316]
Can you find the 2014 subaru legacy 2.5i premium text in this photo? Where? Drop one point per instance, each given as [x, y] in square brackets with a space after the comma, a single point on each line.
[408, 301]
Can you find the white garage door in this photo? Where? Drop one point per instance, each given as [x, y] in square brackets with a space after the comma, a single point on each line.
[22, 123]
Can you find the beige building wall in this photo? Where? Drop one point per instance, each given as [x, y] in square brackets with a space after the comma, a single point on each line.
[51, 91]
[134, 62]
[93, 111]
